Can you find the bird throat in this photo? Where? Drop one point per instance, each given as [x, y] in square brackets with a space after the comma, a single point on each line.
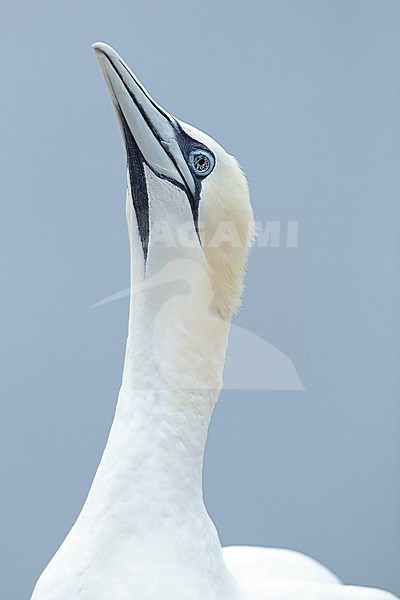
[146, 500]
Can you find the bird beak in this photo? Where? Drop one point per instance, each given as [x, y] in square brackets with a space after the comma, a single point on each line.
[151, 135]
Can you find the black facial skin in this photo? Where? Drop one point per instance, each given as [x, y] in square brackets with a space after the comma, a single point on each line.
[137, 179]
[187, 145]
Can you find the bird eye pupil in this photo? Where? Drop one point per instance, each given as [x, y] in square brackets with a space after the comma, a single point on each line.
[201, 163]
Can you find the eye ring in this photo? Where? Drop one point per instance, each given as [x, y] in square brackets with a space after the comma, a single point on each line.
[202, 162]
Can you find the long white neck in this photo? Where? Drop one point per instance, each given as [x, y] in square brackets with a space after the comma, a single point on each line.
[146, 500]
[171, 380]
[144, 531]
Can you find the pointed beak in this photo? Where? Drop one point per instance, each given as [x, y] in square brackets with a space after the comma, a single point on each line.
[153, 130]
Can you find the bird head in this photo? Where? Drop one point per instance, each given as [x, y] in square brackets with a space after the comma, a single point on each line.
[188, 200]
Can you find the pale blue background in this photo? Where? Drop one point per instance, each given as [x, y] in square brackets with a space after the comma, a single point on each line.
[306, 94]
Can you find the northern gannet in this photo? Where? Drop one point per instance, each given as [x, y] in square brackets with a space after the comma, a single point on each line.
[144, 532]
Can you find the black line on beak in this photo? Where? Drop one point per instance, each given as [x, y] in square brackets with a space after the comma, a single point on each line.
[136, 160]
[181, 135]
[150, 125]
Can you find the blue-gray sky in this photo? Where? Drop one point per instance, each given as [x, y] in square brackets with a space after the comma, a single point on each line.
[306, 95]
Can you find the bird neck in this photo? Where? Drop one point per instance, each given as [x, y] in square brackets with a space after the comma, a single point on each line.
[150, 476]
[145, 506]
[171, 380]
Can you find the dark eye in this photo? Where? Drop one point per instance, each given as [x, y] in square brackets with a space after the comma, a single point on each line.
[202, 162]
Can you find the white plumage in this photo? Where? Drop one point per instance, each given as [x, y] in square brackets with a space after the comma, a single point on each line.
[144, 533]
